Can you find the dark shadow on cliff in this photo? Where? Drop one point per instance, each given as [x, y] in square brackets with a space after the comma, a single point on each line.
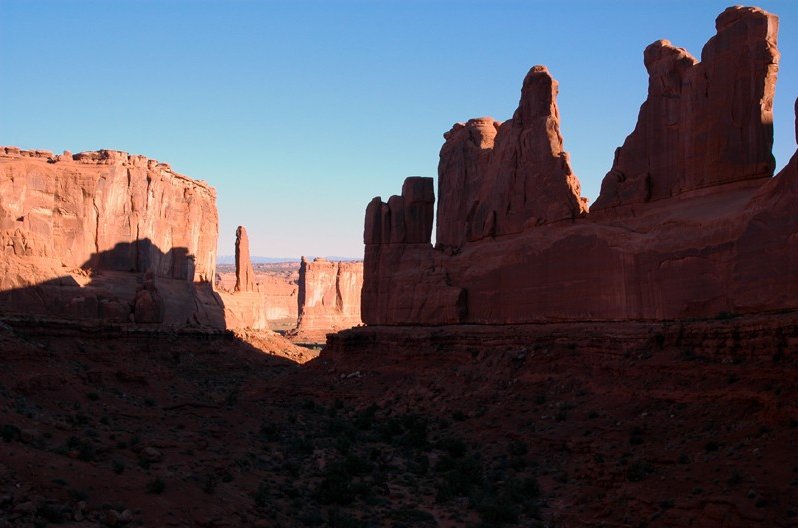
[134, 282]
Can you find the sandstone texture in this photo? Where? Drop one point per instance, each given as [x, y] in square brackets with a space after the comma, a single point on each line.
[245, 275]
[244, 306]
[704, 123]
[276, 283]
[500, 178]
[108, 236]
[329, 298]
[695, 228]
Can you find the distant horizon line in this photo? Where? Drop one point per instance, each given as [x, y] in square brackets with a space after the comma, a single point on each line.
[230, 259]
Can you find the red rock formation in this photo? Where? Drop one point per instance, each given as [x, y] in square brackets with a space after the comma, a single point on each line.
[75, 211]
[405, 219]
[329, 298]
[499, 178]
[73, 228]
[722, 243]
[276, 284]
[245, 275]
[704, 123]
[389, 247]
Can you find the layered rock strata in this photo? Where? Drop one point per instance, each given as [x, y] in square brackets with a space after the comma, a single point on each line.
[329, 297]
[80, 232]
[702, 232]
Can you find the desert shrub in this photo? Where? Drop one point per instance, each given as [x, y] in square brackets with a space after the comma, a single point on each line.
[84, 448]
[457, 476]
[518, 448]
[638, 470]
[209, 484]
[409, 430]
[413, 517]
[301, 445]
[338, 487]
[365, 419]
[9, 432]
[262, 494]
[636, 435]
[454, 447]
[156, 486]
[269, 432]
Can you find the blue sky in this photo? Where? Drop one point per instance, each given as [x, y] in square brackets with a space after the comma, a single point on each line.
[300, 112]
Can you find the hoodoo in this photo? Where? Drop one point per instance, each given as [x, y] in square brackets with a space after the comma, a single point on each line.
[245, 275]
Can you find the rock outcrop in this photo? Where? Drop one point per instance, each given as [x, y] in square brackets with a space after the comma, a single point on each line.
[704, 123]
[695, 228]
[276, 283]
[500, 178]
[244, 306]
[104, 210]
[245, 275]
[392, 257]
[329, 297]
[80, 232]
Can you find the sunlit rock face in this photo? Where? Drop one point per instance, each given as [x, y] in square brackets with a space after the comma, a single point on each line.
[500, 178]
[329, 298]
[79, 233]
[690, 222]
[245, 275]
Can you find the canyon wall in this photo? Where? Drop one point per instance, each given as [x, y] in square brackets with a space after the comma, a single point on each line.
[704, 123]
[276, 284]
[689, 223]
[106, 235]
[329, 297]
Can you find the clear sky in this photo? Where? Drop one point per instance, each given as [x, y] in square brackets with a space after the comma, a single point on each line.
[299, 112]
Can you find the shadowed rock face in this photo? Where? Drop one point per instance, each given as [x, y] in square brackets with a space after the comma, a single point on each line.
[694, 228]
[704, 123]
[498, 178]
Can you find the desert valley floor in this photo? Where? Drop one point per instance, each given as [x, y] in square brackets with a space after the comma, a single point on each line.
[121, 428]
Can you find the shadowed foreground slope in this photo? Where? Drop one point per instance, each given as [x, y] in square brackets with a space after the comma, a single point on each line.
[204, 430]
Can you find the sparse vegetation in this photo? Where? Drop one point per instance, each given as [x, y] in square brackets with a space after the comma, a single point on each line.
[156, 486]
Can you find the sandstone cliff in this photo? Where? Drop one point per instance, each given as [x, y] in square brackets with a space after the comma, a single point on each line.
[80, 232]
[499, 178]
[329, 298]
[694, 228]
[704, 123]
